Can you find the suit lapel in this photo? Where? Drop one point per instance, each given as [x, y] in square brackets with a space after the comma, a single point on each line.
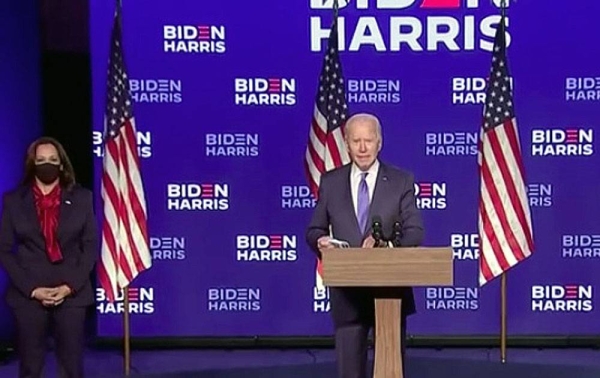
[379, 194]
[66, 210]
[30, 212]
[349, 201]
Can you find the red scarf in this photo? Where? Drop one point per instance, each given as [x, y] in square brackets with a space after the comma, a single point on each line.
[47, 207]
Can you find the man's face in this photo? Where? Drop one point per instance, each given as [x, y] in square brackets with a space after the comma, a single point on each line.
[363, 143]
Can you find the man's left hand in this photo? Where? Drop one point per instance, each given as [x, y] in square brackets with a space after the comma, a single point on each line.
[62, 292]
[369, 242]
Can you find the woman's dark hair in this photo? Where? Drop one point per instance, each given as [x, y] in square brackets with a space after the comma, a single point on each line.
[67, 174]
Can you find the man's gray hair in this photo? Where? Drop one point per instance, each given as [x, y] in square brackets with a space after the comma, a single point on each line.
[365, 117]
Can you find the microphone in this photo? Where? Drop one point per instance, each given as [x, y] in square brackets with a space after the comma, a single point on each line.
[396, 234]
[377, 229]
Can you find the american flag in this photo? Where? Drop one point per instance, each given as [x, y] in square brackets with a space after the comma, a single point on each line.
[125, 251]
[326, 149]
[505, 230]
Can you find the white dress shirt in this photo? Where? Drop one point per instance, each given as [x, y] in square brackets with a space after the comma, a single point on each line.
[355, 178]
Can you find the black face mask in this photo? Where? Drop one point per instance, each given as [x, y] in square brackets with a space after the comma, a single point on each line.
[47, 172]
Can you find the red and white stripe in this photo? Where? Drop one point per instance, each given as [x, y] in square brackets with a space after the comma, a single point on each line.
[325, 151]
[505, 230]
[125, 251]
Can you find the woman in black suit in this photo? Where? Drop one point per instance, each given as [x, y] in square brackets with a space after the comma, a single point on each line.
[48, 247]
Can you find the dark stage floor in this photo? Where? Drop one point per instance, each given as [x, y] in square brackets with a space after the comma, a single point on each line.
[421, 363]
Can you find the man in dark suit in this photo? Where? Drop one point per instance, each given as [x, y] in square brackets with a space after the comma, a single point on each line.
[349, 197]
[48, 247]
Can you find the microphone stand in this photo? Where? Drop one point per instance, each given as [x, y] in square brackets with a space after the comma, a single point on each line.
[395, 239]
[381, 241]
[377, 233]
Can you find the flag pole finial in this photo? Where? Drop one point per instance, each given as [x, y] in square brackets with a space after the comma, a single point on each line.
[503, 6]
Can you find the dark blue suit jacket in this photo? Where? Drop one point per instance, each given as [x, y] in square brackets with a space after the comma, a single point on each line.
[393, 200]
[22, 246]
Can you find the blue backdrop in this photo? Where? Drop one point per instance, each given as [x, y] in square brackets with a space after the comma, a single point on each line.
[19, 103]
[224, 95]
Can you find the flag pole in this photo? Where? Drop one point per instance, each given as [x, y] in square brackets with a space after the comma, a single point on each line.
[126, 331]
[503, 318]
[503, 314]
[126, 346]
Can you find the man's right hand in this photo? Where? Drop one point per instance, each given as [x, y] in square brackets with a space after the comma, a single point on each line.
[44, 294]
[53, 303]
[323, 242]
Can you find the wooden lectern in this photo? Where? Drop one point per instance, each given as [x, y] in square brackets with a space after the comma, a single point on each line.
[387, 267]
